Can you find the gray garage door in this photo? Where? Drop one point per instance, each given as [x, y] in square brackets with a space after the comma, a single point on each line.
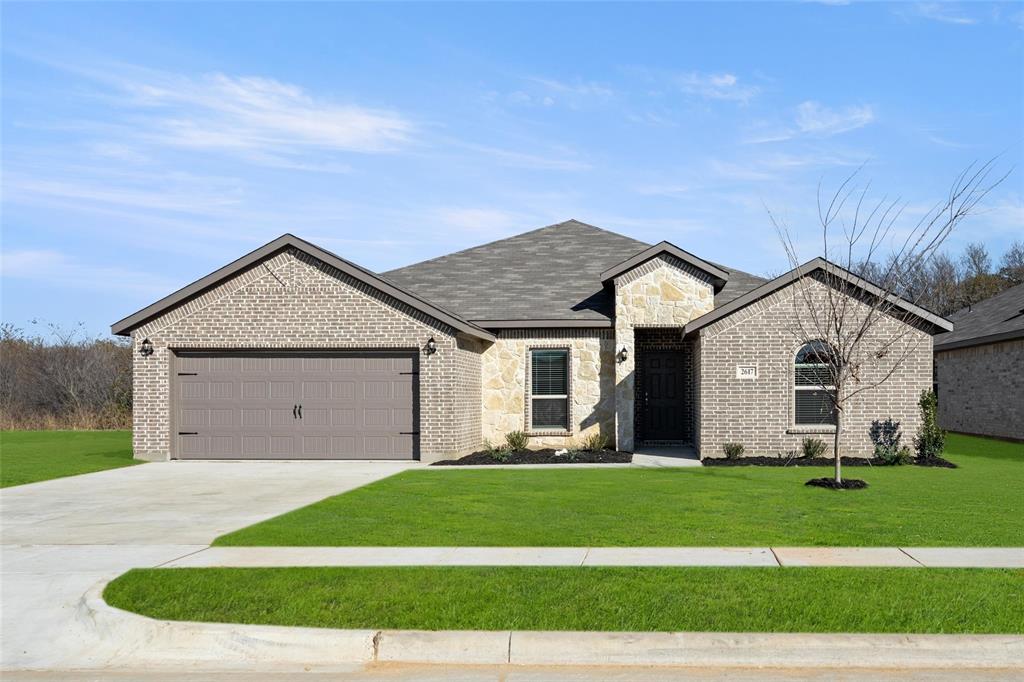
[295, 405]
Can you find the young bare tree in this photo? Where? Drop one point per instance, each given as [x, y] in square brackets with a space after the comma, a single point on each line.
[842, 320]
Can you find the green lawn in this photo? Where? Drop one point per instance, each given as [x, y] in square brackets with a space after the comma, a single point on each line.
[906, 600]
[30, 456]
[979, 504]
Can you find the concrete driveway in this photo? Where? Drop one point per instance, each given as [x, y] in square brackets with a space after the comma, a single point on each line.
[61, 537]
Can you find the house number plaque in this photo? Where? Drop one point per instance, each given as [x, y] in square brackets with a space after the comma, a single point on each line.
[748, 372]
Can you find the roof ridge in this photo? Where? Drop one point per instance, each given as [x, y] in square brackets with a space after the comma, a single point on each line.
[514, 236]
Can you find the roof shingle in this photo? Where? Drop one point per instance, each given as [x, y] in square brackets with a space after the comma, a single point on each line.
[552, 273]
[998, 318]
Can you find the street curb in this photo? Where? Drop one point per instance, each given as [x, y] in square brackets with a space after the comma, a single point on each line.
[125, 638]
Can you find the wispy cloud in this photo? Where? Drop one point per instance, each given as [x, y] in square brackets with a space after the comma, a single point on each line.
[945, 12]
[218, 111]
[562, 160]
[577, 88]
[264, 120]
[488, 221]
[814, 119]
[721, 86]
[57, 268]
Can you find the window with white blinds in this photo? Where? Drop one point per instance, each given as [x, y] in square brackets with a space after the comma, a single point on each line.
[549, 386]
[813, 384]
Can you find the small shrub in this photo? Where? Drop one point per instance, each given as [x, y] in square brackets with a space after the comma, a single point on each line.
[812, 447]
[930, 440]
[516, 440]
[499, 453]
[733, 450]
[595, 442]
[886, 436]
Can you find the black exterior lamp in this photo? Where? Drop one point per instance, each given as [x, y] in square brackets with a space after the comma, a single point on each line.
[431, 347]
[146, 348]
[623, 354]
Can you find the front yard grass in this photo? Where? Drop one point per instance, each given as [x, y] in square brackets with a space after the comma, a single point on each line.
[905, 600]
[30, 456]
[979, 504]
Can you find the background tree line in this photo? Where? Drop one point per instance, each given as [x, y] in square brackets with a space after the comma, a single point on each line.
[946, 284]
[64, 379]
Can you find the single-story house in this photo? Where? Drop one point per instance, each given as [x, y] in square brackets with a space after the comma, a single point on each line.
[979, 368]
[568, 330]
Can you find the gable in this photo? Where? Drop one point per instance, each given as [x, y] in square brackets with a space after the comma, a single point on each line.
[291, 297]
[253, 265]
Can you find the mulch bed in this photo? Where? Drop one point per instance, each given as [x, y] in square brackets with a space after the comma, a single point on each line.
[546, 456]
[845, 484]
[791, 462]
[934, 462]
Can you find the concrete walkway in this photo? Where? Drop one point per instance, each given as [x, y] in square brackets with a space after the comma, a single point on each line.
[61, 537]
[911, 557]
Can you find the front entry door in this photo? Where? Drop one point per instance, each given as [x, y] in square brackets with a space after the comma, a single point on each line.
[662, 385]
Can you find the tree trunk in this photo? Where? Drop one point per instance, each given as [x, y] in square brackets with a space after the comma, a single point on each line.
[835, 446]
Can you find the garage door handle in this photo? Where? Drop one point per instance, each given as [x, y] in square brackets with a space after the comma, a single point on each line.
[300, 411]
[295, 411]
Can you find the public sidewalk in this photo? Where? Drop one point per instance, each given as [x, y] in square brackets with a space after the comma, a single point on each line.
[930, 557]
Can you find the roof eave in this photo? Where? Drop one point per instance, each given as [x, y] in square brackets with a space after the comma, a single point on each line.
[980, 340]
[718, 275]
[939, 323]
[125, 326]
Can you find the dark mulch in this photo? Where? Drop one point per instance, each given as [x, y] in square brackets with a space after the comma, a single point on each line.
[546, 456]
[934, 462]
[791, 462]
[845, 484]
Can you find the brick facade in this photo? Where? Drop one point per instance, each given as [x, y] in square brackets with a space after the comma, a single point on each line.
[294, 301]
[981, 389]
[759, 413]
[471, 390]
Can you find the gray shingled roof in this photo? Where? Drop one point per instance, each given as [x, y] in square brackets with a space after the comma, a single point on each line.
[994, 319]
[553, 273]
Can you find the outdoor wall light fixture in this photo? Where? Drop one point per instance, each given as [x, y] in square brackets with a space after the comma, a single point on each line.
[431, 346]
[146, 348]
[623, 354]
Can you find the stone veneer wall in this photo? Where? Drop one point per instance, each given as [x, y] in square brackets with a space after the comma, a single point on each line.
[759, 413]
[294, 301]
[981, 389]
[506, 379]
[663, 292]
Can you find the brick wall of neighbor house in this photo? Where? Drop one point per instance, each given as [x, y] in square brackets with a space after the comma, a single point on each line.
[506, 380]
[663, 292]
[981, 389]
[294, 301]
[759, 413]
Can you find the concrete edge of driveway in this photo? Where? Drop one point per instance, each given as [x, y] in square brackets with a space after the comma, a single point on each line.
[126, 638]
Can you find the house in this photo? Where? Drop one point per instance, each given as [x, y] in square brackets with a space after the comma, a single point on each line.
[979, 368]
[294, 352]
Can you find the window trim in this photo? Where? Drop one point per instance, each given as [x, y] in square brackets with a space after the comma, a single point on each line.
[528, 426]
[808, 427]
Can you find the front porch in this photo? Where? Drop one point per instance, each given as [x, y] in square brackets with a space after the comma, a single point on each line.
[664, 411]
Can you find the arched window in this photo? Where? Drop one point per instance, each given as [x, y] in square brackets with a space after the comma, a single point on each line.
[813, 384]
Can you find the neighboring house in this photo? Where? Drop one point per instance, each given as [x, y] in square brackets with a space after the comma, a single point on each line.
[293, 352]
[979, 368]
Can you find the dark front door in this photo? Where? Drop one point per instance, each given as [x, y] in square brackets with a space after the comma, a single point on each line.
[662, 392]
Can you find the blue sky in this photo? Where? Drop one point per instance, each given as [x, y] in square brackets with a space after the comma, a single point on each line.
[145, 145]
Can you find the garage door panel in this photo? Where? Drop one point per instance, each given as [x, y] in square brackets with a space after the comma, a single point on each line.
[242, 405]
[314, 390]
[254, 390]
